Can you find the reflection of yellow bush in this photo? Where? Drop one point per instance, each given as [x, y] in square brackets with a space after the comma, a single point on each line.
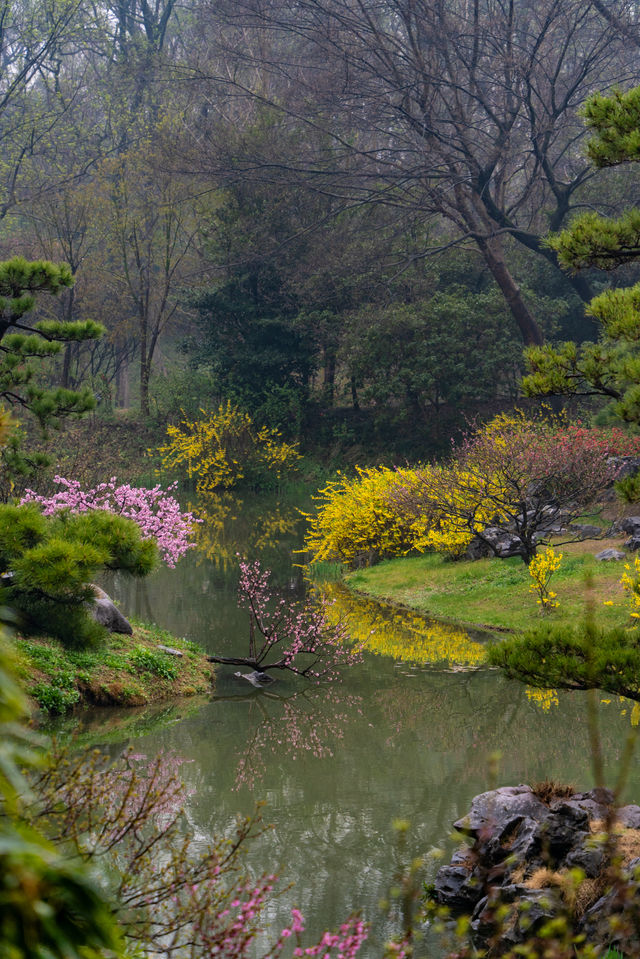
[402, 634]
[226, 448]
[226, 529]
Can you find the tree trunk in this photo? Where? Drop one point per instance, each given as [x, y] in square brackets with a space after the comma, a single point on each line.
[329, 379]
[492, 252]
[144, 366]
[354, 394]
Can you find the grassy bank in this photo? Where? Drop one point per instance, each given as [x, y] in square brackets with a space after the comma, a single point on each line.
[494, 593]
[126, 671]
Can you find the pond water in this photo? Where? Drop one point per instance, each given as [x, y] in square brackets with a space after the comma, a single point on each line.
[411, 736]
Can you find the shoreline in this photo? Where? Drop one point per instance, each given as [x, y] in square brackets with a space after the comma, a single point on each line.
[125, 671]
[493, 594]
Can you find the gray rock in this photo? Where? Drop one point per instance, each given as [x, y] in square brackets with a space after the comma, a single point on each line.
[589, 858]
[535, 906]
[493, 811]
[564, 831]
[593, 809]
[624, 465]
[477, 549]
[514, 830]
[633, 543]
[585, 530]
[504, 543]
[629, 816]
[528, 840]
[629, 524]
[608, 554]
[457, 888]
[105, 612]
[257, 678]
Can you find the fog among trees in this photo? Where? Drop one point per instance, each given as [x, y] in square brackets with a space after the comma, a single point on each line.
[333, 212]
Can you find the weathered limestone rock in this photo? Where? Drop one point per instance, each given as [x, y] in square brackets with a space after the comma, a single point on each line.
[608, 554]
[585, 530]
[105, 612]
[496, 809]
[630, 524]
[522, 843]
[624, 465]
[504, 543]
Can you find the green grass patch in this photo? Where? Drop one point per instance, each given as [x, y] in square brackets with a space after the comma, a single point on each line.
[125, 671]
[325, 572]
[494, 593]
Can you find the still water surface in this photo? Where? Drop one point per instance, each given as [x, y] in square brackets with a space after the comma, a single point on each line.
[401, 737]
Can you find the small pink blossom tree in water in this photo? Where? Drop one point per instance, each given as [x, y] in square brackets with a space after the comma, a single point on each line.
[283, 636]
[155, 510]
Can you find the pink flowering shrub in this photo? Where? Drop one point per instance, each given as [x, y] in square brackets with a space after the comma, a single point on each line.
[285, 636]
[172, 895]
[155, 511]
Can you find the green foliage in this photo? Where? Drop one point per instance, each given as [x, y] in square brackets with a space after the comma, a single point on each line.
[50, 561]
[124, 670]
[157, 663]
[449, 350]
[609, 368]
[53, 699]
[573, 657]
[251, 338]
[628, 488]
[20, 281]
[616, 120]
[49, 906]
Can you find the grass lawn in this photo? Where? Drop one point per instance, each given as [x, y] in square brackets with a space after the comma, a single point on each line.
[125, 671]
[494, 593]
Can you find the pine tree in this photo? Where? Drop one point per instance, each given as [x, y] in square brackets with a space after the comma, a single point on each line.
[610, 367]
[24, 340]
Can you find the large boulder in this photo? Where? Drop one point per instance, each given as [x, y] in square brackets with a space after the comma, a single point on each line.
[105, 612]
[624, 465]
[522, 842]
[503, 542]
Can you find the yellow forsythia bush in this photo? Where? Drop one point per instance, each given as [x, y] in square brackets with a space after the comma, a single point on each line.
[541, 569]
[357, 521]
[438, 500]
[226, 448]
[630, 583]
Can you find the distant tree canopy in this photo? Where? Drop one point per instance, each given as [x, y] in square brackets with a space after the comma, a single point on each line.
[462, 114]
[321, 176]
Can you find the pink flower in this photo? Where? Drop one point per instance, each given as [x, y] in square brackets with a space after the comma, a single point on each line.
[156, 512]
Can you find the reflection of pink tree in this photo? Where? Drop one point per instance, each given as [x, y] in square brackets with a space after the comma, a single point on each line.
[297, 727]
[284, 636]
[173, 896]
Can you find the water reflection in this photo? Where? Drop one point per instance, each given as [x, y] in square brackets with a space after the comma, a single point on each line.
[283, 726]
[402, 634]
[406, 735]
[230, 525]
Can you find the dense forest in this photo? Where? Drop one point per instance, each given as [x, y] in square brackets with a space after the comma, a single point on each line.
[333, 213]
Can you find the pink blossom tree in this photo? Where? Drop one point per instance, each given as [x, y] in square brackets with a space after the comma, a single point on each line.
[283, 636]
[156, 511]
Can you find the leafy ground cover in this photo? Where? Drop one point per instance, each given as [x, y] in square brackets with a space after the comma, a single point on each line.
[126, 671]
[494, 593]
